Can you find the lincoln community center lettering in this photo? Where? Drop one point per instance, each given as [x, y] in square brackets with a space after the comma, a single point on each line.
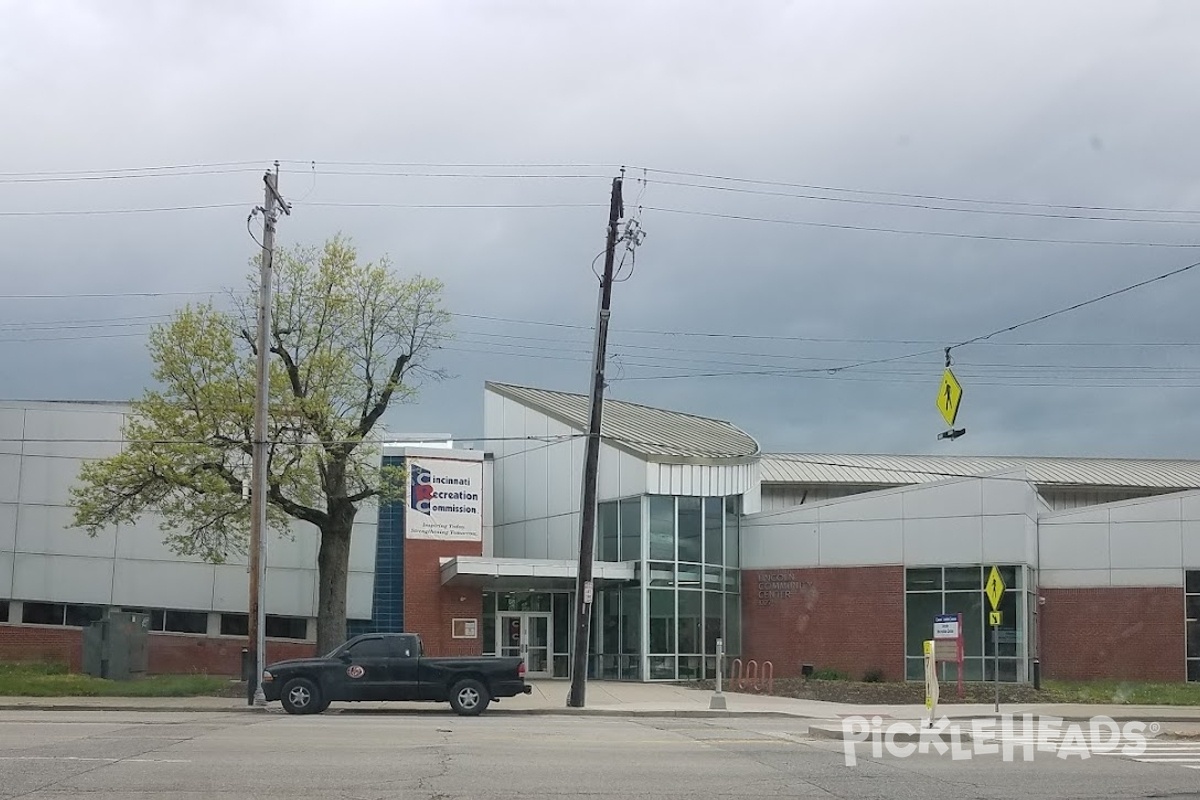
[774, 586]
[445, 499]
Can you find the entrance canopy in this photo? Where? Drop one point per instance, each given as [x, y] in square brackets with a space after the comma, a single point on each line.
[528, 575]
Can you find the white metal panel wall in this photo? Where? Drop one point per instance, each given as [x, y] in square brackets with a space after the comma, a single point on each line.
[1142, 542]
[129, 564]
[927, 524]
[701, 480]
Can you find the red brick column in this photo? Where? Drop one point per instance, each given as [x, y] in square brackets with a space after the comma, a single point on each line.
[1113, 633]
[848, 618]
[430, 608]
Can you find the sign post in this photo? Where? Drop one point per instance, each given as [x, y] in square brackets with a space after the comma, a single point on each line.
[931, 679]
[718, 700]
[995, 593]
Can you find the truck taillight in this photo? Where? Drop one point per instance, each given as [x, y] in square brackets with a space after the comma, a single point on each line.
[521, 670]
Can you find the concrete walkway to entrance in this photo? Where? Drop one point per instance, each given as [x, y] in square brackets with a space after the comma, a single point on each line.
[640, 699]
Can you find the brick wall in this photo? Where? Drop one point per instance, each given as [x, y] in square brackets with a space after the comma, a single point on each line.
[1113, 633]
[851, 619]
[42, 645]
[211, 655]
[430, 607]
[168, 654]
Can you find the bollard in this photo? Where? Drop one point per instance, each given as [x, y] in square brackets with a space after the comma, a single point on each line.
[1037, 674]
[718, 700]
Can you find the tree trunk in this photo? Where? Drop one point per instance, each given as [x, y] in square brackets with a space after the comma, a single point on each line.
[333, 565]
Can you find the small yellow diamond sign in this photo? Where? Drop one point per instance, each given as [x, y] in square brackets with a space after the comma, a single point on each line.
[994, 618]
[949, 397]
[994, 588]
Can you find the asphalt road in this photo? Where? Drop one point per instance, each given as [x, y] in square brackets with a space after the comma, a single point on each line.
[108, 755]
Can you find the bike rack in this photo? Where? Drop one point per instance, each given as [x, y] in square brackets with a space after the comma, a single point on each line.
[768, 671]
[740, 673]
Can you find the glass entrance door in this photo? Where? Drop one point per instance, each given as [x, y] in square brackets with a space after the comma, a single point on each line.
[526, 635]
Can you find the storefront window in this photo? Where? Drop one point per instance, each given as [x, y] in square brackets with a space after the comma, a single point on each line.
[631, 529]
[690, 530]
[733, 519]
[662, 528]
[960, 590]
[662, 621]
[714, 540]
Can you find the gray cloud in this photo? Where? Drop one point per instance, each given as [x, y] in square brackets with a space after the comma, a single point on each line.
[1071, 103]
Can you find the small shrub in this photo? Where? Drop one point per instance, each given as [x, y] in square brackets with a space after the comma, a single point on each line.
[830, 674]
[873, 675]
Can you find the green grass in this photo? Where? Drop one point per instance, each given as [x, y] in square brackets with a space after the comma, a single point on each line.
[1124, 693]
[53, 680]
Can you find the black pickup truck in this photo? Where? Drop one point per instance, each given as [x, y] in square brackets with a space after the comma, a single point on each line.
[392, 666]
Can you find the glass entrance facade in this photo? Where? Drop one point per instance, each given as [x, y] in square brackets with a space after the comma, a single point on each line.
[665, 624]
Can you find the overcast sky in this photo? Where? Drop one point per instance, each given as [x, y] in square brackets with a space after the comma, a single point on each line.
[1046, 107]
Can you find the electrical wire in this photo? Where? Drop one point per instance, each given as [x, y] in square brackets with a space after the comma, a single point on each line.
[914, 232]
[932, 207]
[934, 197]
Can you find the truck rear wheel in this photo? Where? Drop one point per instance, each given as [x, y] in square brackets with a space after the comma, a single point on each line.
[301, 696]
[469, 698]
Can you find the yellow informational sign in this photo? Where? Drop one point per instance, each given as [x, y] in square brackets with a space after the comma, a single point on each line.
[995, 588]
[994, 618]
[949, 397]
[931, 681]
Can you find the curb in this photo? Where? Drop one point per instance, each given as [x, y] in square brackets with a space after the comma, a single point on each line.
[408, 712]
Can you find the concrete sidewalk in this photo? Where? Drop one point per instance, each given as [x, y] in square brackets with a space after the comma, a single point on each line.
[608, 698]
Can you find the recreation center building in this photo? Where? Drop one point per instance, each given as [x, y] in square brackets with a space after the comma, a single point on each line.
[809, 561]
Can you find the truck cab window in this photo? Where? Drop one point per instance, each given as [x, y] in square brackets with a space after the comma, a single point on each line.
[369, 648]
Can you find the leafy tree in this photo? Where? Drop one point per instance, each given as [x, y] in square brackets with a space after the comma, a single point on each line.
[349, 340]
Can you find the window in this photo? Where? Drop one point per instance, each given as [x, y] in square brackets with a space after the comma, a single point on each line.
[287, 627]
[607, 531]
[82, 616]
[371, 648]
[235, 625]
[3, 611]
[59, 614]
[690, 529]
[42, 613]
[733, 518]
[662, 528]
[1191, 604]
[185, 621]
[960, 590]
[631, 529]
[714, 542]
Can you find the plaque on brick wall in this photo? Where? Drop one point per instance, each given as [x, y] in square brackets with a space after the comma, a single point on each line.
[464, 629]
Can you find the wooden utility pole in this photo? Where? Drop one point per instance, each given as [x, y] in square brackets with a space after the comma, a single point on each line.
[259, 450]
[587, 535]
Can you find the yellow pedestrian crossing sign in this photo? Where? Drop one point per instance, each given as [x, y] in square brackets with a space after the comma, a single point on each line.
[994, 618]
[995, 589]
[949, 397]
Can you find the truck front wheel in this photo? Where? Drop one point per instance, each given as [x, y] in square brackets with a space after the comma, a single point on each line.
[469, 698]
[301, 696]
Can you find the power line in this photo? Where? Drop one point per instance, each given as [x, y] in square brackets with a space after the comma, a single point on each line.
[934, 197]
[1076, 306]
[87, 212]
[914, 232]
[127, 170]
[930, 206]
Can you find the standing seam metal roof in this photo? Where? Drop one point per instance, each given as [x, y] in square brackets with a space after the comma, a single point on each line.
[888, 470]
[645, 431]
